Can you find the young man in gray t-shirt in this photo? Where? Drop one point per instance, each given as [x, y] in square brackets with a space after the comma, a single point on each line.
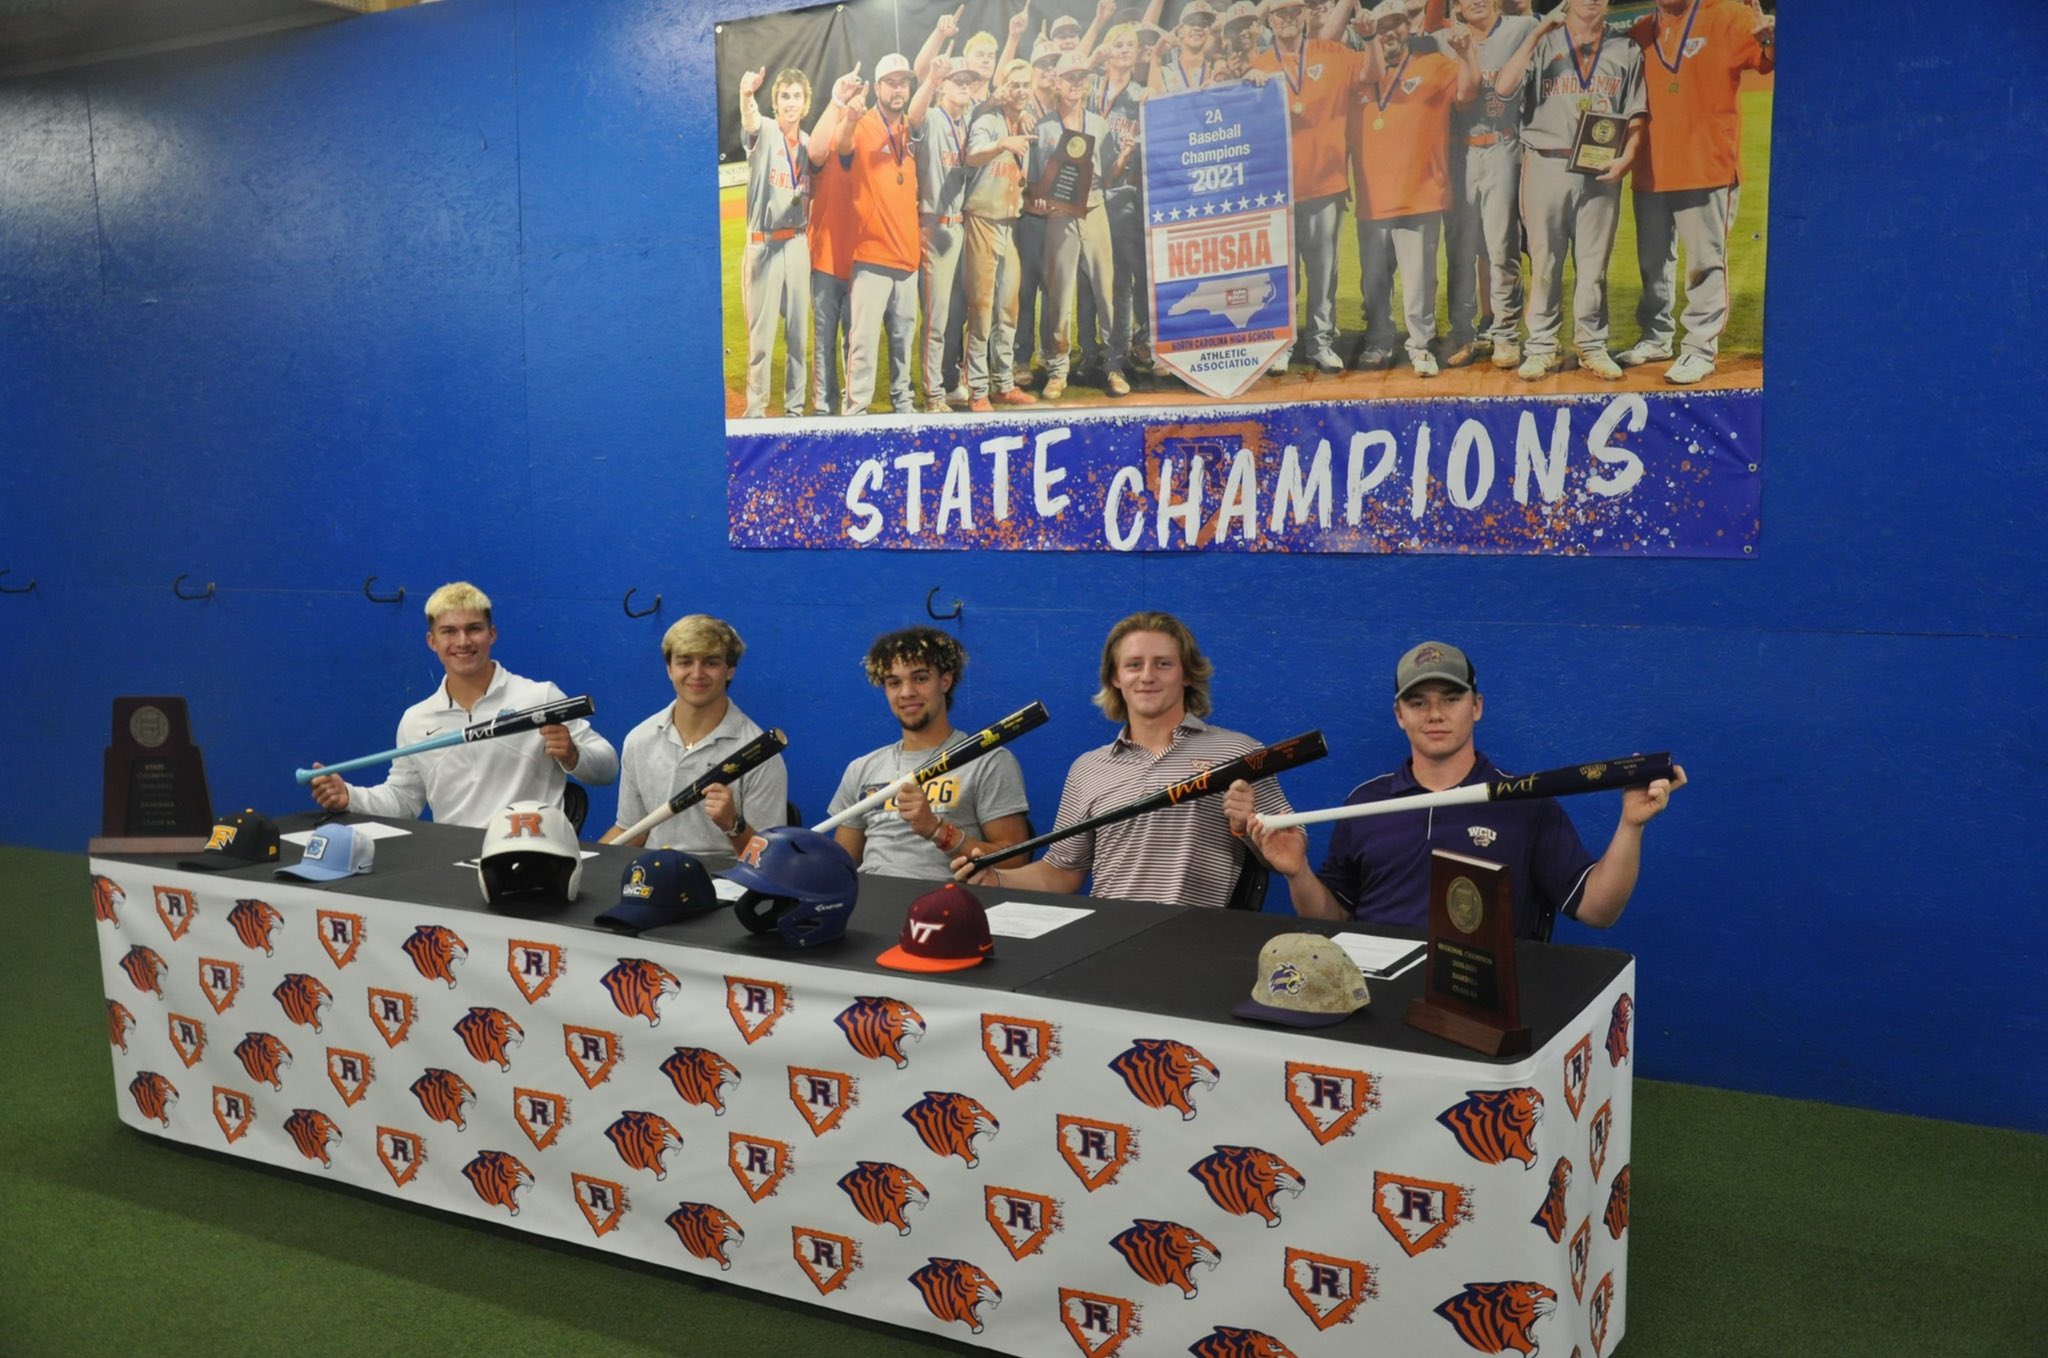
[972, 809]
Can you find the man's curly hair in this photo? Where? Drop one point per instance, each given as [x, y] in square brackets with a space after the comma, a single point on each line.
[916, 646]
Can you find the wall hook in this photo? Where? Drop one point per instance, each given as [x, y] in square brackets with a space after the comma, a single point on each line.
[939, 617]
[397, 598]
[627, 604]
[28, 588]
[178, 588]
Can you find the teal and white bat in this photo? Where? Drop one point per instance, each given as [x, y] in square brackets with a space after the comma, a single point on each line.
[504, 724]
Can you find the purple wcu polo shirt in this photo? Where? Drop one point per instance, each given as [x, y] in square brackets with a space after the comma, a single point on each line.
[1379, 865]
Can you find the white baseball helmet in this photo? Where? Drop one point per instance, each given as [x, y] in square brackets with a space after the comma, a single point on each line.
[530, 856]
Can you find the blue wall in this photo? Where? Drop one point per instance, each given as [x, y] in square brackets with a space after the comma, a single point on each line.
[434, 294]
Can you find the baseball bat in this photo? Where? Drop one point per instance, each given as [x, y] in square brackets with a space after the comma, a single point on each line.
[1251, 766]
[551, 713]
[745, 759]
[1638, 770]
[961, 752]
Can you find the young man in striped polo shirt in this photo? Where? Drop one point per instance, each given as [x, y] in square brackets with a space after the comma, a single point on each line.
[1156, 681]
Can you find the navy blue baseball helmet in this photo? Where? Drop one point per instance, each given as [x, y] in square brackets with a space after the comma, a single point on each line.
[799, 883]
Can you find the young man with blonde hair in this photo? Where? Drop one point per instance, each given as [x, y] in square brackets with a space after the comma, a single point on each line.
[465, 784]
[687, 739]
[976, 807]
[1155, 681]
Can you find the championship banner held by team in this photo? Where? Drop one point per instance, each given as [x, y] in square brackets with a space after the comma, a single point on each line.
[1187, 275]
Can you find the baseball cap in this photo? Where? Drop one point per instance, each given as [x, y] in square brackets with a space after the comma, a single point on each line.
[333, 851]
[946, 930]
[1045, 49]
[530, 855]
[661, 886]
[237, 841]
[1149, 33]
[893, 64]
[966, 75]
[1386, 11]
[1266, 7]
[1304, 981]
[1197, 11]
[1240, 11]
[1072, 61]
[1434, 660]
[1066, 21]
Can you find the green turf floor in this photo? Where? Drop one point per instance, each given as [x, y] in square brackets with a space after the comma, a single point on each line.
[1758, 1226]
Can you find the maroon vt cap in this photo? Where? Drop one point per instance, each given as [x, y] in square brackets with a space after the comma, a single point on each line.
[946, 930]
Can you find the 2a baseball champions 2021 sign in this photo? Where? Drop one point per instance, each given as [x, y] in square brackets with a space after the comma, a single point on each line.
[1051, 278]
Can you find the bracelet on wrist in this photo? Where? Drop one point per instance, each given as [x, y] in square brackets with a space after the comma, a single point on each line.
[946, 837]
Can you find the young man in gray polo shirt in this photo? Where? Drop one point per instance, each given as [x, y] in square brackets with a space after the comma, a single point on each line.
[973, 809]
[689, 737]
[1155, 680]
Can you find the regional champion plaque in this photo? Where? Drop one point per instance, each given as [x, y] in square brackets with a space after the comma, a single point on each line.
[1068, 177]
[1598, 143]
[155, 798]
[1469, 990]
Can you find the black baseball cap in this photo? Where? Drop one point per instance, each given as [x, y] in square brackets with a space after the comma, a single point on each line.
[238, 841]
[659, 887]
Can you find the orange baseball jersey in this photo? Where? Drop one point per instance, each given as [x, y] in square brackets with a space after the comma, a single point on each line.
[1693, 64]
[1400, 149]
[1318, 80]
[834, 228]
[885, 194]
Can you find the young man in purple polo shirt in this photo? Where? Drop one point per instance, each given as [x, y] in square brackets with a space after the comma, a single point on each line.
[1377, 869]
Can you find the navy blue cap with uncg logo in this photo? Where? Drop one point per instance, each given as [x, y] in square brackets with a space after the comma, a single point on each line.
[659, 887]
[238, 841]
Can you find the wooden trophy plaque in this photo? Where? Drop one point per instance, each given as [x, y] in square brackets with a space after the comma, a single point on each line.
[155, 797]
[1469, 991]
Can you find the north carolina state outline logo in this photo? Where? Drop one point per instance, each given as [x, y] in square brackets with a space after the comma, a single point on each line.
[350, 1073]
[541, 1115]
[391, 1012]
[1597, 1307]
[1328, 1289]
[1018, 1048]
[756, 1006]
[401, 1153]
[1419, 1213]
[1097, 1323]
[176, 908]
[1095, 1151]
[340, 934]
[234, 1111]
[592, 1051]
[534, 967]
[822, 1096]
[188, 1038]
[1330, 1100]
[221, 980]
[602, 1202]
[1023, 1221]
[1578, 1068]
[827, 1258]
[760, 1163]
[1597, 1132]
[1581, 1253]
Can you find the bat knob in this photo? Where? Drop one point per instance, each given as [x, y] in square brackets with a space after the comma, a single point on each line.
[306, 776]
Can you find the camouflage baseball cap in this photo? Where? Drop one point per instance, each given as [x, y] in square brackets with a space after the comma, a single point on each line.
[1304, 981]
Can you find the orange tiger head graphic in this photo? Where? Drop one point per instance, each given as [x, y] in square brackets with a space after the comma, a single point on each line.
[436, 952]
[948, 1123]
[305, 999]
[644, 1140]
[1496, 1317]
[107, 900]
[499, 1179]
[1162, 1252]
[1616, 1216]
[1550, 1216]
[883, 1193]
[120, 1023]
[265, 1058]
[155, 1096]
[877, 1028]
[1245, 1179]
[639, 986]
[444, 1096]
[1227, 1342]
[701, 1076]
[1496, 1125]
[489, 1033]
[954, 1289]
[1617, 1030]
[253, 921]
[145, 968]
[706, 1231]
[1163, 1073]
[311, 1131]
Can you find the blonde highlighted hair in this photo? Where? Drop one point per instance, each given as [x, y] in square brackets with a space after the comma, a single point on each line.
[702, 634]
[458, 596]
[1196, 671]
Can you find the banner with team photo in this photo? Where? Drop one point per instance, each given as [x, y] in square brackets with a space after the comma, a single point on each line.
[1195, 443]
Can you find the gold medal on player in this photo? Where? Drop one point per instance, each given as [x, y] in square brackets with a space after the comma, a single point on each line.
[1673, 87]
[1379, 124]
[1584, 103]
[1297, 108]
